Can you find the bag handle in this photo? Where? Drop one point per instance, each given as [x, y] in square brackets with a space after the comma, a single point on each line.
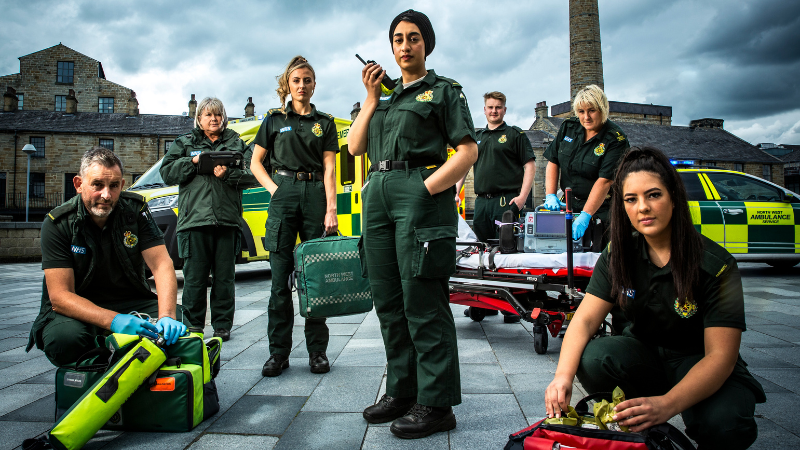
[665, 436]
[97, 351]
[582, 407]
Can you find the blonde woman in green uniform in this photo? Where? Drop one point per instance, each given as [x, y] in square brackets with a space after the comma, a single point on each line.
[301, 144]
[682, 293]
[410, 227]
[584, 156]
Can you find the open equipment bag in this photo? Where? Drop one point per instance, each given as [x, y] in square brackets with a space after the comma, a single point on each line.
[328, 278]
[544, 436]
[176, 395]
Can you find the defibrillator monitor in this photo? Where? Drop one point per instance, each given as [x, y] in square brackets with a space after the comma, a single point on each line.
[546, 232]
[551, 224]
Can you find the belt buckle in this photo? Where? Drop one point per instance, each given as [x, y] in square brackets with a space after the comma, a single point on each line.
[384, 166]
[303, 176]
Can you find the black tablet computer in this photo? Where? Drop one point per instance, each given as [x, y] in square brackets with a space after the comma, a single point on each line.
[209, 160]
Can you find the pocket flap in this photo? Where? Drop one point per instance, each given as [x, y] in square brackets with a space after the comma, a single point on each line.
[423, 109]
[433, 233]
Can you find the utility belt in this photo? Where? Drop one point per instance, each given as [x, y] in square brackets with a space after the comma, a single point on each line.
[497, 194]
[300, 176]
[387, 165]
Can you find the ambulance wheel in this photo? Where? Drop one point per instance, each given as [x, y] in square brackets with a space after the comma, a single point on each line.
[476, 314]
[783, 264]
[540, 340]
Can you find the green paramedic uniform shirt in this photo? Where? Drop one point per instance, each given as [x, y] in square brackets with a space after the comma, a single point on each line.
[502, 155]
[400, 131]
[582, 163]
[297, 142]
[652, 309]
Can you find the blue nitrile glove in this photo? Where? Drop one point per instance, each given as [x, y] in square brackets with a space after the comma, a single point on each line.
[171, 329]
[551, 202]
[129, 324]
[580, 225]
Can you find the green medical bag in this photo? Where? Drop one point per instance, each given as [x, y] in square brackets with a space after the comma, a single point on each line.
[328, 278]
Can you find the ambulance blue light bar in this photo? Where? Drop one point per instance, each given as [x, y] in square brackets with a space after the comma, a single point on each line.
[682, 162]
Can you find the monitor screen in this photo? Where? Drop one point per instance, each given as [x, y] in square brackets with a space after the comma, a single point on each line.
[551, 224]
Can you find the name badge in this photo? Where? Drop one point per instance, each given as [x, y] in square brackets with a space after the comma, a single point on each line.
[285, 129]
[78, 250]
[630, 293]
[195, 153]
[387, 97]
[567, 138]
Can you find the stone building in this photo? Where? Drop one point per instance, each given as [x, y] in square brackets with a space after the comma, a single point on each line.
[62, 103]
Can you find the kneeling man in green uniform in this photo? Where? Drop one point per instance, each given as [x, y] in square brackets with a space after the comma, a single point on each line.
[504, 171]
[94, 250]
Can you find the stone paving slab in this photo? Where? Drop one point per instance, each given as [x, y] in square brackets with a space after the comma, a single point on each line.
[503, 378]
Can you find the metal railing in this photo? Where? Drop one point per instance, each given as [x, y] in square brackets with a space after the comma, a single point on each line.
[17, 201]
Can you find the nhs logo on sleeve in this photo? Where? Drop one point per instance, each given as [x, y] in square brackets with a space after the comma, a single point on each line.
[384, 98]
[195, 153]
[567, 138]
[285, 129]
[78, 250]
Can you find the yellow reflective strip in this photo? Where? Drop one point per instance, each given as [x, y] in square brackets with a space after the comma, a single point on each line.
[711, 186]
[725, 266]
[51, 216]
[430, 167]
[705, 187]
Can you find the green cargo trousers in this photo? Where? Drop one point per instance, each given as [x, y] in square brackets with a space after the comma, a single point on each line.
[487, 210]
[409, 245]
[209, 249]
[298, 207]
[722, 421]
[66, 339]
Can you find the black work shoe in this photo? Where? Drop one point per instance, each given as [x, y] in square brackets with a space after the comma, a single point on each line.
[510, 317]
[388, 409]
[222, 333]
[275, 365]
[423, 421]
[319, 362]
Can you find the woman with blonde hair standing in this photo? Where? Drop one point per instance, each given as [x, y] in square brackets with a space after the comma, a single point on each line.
[301, 146]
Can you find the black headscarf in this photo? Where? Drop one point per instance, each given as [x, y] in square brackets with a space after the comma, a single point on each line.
[421, 21]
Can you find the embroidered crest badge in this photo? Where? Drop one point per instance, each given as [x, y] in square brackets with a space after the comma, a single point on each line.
[502, 139]
[130, 240]
[317, 130]
[425, 96]
[687, 310]
[600, 149]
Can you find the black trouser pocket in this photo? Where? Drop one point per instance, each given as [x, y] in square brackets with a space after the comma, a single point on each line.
[362, 256]
[435, 252]
[272, 233]
[183, 244]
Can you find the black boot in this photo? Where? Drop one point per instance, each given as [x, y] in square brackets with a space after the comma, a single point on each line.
[222, 333]
[388, 409]
[319, 362]
[275, 365]
[423, 421]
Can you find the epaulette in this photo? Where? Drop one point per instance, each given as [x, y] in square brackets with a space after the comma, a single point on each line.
[59, 211]
[274, 111]
[132, 196]
[716, 260]
[452, 82]
[516, 128]
[186, 135]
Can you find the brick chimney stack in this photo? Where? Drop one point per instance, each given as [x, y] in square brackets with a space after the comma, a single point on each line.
[585, 55]
[250, 108]
[133, 105]
[706, 123]
[10, 100]
[541, 110]
[72, 103]
[355, 111]
[192, 107]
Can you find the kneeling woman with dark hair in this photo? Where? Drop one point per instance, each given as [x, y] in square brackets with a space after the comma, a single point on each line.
[682, 294]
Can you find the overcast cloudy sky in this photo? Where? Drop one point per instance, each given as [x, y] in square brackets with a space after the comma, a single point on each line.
[734, 60]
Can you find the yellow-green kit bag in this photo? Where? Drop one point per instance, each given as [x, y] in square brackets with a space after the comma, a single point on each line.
[107, 395]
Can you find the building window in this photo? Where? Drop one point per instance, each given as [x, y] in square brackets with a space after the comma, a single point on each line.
[19, 101]
[37, 185]
[38, 142]
[767, 172]
[107, 143]
[711, 163]
[2, 189]
[66, 71]
[739, 167]
[61, 102]
[106, 105]
[69, 186]
[167, 145]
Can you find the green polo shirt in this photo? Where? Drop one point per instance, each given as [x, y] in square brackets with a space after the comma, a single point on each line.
[297, 142]
[582, 163]
[418, 123]
[652, 310]
[108, 285]
[502, 154]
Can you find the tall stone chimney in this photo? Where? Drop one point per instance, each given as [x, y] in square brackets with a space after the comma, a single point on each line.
[249, 108]
[10, 100]
[133, 105]
[706, 123]
[541, 110]
[585, 56]
[72, 103]
[192, 107]
[355, 111]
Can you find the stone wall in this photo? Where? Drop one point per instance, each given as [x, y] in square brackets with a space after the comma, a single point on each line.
[629, 118]
[756, 170]
[37, 81]
[19, 241]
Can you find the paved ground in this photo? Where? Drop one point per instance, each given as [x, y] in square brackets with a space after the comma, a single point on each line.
[503, 379]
